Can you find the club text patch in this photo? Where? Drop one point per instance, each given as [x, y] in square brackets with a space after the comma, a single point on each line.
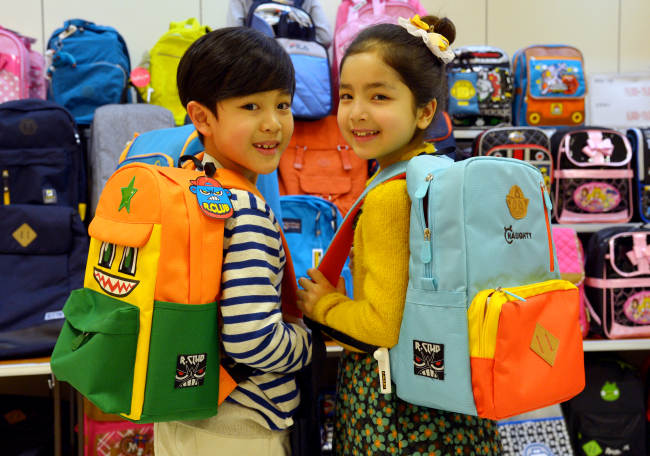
[429, 359]
[190, 370]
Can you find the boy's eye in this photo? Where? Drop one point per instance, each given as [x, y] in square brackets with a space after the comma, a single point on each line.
[205, 192]
[284, 106]
[250, 107]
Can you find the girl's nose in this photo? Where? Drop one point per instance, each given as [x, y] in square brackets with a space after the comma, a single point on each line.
[358, 112]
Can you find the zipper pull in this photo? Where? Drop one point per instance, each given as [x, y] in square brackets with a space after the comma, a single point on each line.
[5, 185]
[424, 186]
[426, 247]
[547, 197]
[511, 294]
[79, 340]
[77, 138]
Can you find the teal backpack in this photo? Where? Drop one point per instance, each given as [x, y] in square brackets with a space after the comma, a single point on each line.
[488, 328]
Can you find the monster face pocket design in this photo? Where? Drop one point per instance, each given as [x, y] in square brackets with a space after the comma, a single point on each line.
[429, 359]
[523, 357]
[190, 370]
[213, 200]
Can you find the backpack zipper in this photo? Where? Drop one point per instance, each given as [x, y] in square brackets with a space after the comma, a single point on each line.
[546, 200]
[425, 254]
[5, 185]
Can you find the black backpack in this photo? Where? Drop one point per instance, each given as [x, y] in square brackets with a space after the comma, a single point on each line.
[608, 417]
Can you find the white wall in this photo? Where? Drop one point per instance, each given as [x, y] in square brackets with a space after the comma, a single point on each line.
[612, 34]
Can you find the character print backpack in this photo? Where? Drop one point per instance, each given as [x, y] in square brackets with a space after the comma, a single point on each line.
[608, 417]
[21, 69]
[570, 256]
[489, 327]
[480, 87]
[550, 86]
[353, 16]
[162, 65]
[294, 29]
[90, 68]
[524, 143]
[640, 142]
[618, 282]
[141, 339]
[535, 437]
[593, 176]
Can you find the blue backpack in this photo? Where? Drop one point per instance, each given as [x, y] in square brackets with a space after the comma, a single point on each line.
[43, 242]
[90, 68]
[165, 147]
[294, 29]
[309, 225]
[485, 307]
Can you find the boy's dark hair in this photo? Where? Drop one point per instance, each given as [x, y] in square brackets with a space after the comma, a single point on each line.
[233, 62]
[417, 67]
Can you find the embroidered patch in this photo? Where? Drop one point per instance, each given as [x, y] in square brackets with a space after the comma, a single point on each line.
[213, 200]
[292, 225]
[49, 196]
[544, 344]
[24, 235]
[190, 370]
[517, 202]
[429, 359]
[127, 194]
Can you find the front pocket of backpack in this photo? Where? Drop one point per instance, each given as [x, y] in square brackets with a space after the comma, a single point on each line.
[430, 364]
[530, 352]
[184, 363]
[96, 350]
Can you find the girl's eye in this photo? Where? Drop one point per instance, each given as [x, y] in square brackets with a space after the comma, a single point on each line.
[251, 107]
[284, 106]
[205, 192]
[345, 96]
[380, 97]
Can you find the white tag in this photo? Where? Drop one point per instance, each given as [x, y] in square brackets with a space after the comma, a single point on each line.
[149, 91]
[381, 355]
[359, 5]
[58, 315]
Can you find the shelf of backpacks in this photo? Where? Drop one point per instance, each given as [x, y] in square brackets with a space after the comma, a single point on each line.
[20, 367]
[595, 227]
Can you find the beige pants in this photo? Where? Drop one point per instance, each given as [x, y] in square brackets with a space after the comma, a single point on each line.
[176, 439]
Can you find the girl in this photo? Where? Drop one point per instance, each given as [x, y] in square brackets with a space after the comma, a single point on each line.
[392, 79]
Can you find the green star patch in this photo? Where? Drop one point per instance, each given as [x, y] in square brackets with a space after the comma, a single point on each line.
[127, 194]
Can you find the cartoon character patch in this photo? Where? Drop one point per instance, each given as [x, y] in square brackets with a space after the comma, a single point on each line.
[429, 359]
[111, 284]
[213, 199]
[610, 392]
[190, 370]
[596, 197]
[558, 78]
[637, 308]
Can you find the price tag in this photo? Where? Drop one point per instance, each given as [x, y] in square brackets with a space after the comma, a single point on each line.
[140, 77]
[619, 100]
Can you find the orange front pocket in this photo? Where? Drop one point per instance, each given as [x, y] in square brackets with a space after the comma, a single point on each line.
[530, 352]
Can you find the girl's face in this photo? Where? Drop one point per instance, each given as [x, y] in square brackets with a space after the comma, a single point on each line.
[376, 110]
[250, 133]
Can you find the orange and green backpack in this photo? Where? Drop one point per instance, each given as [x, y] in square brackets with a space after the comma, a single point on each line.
[141, 339]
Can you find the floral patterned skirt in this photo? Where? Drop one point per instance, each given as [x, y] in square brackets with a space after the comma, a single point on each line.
[370, 423]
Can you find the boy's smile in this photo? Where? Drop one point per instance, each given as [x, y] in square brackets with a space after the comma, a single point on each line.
[250, 133]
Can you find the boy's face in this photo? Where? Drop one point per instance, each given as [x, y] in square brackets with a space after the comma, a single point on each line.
[250, 133]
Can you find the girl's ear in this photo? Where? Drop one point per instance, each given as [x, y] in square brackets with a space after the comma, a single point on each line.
[201, 117]
[425, 115]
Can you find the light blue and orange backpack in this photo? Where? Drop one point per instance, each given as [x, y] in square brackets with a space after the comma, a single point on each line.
[489, 328]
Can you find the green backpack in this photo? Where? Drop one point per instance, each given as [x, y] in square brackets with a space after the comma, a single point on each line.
[163, 62]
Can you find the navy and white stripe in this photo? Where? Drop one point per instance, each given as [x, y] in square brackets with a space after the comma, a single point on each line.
[253, 331]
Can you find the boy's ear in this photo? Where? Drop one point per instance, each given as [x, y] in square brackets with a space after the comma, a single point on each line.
[425, 115]
[201, 117]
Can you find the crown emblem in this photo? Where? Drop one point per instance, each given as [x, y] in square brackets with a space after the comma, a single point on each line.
[517, 203]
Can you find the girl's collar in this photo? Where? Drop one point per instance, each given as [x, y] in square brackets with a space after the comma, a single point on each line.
[426, 148]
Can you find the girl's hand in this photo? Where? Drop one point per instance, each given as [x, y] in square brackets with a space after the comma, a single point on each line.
[314, 290]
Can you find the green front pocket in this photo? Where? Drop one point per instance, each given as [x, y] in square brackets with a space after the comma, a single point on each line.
[95, 352]
[183, 371]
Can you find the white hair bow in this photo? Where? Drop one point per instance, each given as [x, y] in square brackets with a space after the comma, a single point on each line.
[437, 43]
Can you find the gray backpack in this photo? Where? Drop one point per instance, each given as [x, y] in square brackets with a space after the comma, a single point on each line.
[113, 126]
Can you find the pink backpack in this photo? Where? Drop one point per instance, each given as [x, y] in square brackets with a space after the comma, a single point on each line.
[570, 258]
[109, 438]
[21, 69]
[355, 15]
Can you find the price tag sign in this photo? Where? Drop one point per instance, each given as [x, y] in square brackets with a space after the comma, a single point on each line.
[619, 100]
[140, 77]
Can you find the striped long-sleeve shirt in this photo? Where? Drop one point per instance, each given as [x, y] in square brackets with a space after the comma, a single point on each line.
[253, 331]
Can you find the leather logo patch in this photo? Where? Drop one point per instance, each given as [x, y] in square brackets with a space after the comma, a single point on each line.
[517, 202]
[544, 344]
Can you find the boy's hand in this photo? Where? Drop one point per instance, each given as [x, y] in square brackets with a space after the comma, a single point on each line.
[314, 290]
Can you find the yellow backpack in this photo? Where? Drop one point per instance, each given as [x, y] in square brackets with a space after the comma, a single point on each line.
[163, 62]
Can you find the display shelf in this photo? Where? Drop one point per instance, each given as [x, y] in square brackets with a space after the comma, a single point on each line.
[333, 349]
[466, 134]
[594, 227]
[17, 368]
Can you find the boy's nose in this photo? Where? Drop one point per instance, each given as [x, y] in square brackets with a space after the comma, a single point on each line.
[271, 123]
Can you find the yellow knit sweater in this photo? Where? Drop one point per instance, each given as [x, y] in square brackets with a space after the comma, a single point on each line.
[381, 261]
